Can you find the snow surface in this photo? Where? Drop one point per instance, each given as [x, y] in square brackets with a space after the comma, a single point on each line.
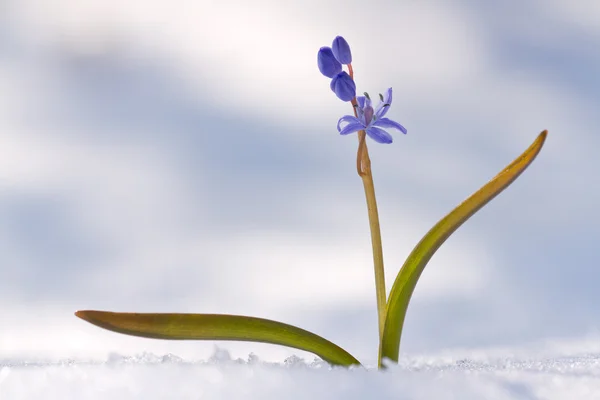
[149, 376]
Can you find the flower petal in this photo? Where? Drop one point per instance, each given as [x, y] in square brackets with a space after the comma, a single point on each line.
[368, 116]
[379, 135]
[347, 118]
[328, 64]
[352, 127]
[341, 50]
[387, 99]
[361, 101]
[388, 123]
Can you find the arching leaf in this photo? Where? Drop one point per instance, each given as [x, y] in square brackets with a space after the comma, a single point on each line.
[218, 327]
[410, 272]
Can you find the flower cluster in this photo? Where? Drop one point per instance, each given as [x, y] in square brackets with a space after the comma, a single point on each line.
[330, 61]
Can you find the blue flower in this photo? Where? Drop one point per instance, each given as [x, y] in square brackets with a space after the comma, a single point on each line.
[371, 120]
[330, 60]
[343, 86]
[341, 50]
[328, 64]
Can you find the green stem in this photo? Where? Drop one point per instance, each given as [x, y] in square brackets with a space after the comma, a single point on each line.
[364, 170]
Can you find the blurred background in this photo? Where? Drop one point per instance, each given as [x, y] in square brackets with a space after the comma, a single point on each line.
[182, 156]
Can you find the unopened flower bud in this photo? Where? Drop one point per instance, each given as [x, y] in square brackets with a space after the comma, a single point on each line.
[341, 50]
[343, 86]
[328, 64]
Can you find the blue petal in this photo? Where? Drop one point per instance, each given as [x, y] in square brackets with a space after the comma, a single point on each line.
[341, 50]
[328, 65]
[343, 86]
[361, 101]
[388, 123]
[387, 99]
[351, 128]
[368, 115]
[349, 119]
[379, 135]
[360, 112]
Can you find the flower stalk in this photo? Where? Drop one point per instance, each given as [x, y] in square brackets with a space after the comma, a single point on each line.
[363, 167]
[367, 121]
[367, 180]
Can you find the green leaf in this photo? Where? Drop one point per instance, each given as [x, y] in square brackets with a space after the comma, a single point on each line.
[410, 272]
[218, 327]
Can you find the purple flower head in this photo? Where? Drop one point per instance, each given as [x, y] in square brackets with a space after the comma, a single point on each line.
[328, 64]
[341, 50]
[343, 86]
[330, 60]
[371, 120]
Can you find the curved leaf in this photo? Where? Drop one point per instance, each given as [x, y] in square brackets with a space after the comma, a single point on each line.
[410, 272]
[218, 327]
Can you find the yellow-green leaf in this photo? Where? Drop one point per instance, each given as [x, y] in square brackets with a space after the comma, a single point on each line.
[410, 272]
[218, 327]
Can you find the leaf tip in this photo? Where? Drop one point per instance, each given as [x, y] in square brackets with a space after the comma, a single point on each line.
[539, 142]
[84, 314]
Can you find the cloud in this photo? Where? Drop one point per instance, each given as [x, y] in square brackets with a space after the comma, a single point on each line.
[235, 55]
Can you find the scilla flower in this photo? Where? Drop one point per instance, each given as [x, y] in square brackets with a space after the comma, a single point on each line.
[328, 64]
[371, 120]
[330, 60]
[341, 50]
[343, 86]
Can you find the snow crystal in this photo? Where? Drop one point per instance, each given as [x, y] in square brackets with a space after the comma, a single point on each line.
[150, 376]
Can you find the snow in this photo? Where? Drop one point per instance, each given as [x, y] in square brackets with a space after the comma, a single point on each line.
[149, 376]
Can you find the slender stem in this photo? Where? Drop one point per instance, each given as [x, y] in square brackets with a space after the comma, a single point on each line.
[363, 167]
[367, 179]
[359, 154]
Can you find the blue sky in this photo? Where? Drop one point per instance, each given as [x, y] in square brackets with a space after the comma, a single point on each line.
[183, 156]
